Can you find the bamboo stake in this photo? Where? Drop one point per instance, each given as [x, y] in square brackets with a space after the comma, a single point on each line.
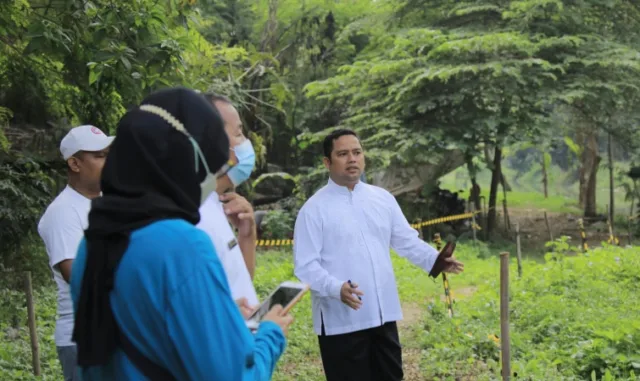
[583, 235]
[546, 221]
[31, 319]
[504, 316]
[473, 221]
[445, 282]
[518, 252]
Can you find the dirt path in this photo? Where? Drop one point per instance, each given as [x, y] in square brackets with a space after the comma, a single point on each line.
[410, 329]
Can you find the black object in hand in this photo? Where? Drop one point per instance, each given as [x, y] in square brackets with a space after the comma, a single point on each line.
[441, 264]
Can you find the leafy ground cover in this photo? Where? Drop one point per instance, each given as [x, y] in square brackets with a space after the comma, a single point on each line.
[573, 317]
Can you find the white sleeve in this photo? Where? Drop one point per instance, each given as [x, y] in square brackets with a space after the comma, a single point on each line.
[211, 220]
[307, 245]
[406, 241]
[61, 230]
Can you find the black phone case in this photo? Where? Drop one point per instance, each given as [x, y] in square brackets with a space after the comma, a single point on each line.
[446, 252]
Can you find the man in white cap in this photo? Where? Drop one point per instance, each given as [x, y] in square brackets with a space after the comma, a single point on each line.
[62, 226]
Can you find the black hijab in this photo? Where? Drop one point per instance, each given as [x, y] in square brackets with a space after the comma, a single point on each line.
[149, 175]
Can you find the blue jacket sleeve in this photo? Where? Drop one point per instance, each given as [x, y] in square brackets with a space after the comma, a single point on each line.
[210, 335]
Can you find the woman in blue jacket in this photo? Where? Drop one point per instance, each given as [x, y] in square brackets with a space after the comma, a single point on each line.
[150, 296]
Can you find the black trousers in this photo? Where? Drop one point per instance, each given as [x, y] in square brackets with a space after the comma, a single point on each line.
[369, 355]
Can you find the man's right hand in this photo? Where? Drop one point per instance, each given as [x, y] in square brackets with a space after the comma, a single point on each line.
[283, 320]
[347, 295]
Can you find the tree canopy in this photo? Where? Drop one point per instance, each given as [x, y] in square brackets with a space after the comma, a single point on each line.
[421, 81]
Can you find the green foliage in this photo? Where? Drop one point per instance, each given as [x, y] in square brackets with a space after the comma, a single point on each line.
[15, 347]
[572, 318]
[559, 247]
[484, 74]
[24, 193]
[5, 116]
[569, 318]
[277, 224]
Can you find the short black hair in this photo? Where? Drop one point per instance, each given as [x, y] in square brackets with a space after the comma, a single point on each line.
[213, 98]
[327, 144]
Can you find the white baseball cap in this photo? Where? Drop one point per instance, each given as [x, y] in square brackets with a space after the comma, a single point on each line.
[84, 138]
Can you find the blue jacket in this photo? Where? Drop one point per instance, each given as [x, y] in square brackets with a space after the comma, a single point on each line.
[172, 301]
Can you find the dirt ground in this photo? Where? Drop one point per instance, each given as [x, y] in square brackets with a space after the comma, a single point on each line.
[534, 233]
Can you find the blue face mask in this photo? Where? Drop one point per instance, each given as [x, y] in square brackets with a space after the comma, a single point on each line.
[246, 161]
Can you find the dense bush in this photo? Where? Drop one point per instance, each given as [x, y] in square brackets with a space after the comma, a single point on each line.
[277, 224]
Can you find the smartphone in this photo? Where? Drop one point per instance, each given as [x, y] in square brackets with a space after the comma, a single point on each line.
[446, 252]
[287, 295]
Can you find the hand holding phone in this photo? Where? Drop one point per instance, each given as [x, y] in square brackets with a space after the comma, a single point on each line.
[446, 262]
[243, 305]
[277, 305]
[278, 316]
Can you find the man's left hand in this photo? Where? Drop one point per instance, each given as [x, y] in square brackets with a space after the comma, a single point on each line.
[453, 265]
[240, 213]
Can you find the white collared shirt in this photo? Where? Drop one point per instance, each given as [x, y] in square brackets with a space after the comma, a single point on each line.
[214, 222]
[343, 235]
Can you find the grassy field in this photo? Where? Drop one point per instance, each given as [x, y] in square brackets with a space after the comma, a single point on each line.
[417, 291]
[527, 190]
[571, 317]
[300, 362]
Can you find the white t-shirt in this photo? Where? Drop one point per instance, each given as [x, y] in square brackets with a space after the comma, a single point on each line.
[214, 222]
[62, 228]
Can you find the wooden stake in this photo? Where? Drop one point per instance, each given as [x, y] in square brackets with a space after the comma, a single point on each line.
[546, 221]
[518, 252]
[611, 183]
[545, 178]
[583, 235]
[504, 316]
[507, 225]
[31, 319]
[485, 217]
[473, 222]
[445, 282]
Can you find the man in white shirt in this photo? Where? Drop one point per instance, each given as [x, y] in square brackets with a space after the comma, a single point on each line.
[237, 254]
[342, 238]
[62, 225]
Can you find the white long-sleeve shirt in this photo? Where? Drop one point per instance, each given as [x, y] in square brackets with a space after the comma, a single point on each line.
[214, 222]
[343, 235]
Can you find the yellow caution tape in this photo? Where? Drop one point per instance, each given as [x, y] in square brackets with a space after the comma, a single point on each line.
[444, 219]
[274, 242]
[289, 242]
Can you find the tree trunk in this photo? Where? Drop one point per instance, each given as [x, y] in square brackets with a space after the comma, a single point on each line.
[496, 176]
[545, 178]
[269, 36]
[590, 162]
[474, 195]
[489, 159]
[582, 180]
[611, 195]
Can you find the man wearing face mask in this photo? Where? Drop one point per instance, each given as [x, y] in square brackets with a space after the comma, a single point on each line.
[221, 209]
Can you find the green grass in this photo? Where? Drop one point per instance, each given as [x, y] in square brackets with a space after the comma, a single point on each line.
[300, 362]
[527, 190]
[302, 358]
[570, 316]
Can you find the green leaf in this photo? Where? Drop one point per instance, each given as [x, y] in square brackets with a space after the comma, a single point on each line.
[94, 76]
